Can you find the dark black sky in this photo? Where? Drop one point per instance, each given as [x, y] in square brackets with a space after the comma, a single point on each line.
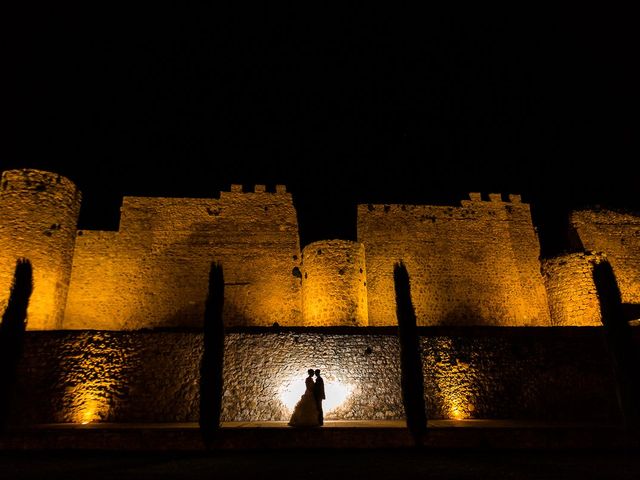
[344, 106]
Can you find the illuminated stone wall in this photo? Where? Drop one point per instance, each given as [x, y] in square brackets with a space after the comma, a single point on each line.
[154, 271]
[544, 373]
[573, 299]
[477, 264]
[70, 376]
[100, 295]
[469, 265]
[147, 376]
[617, 235]
[362, 371]
[334, 284]
[38, 217]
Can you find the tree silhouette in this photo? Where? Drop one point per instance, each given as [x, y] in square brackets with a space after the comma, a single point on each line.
[618, 333]
[12, 331]
[410, 360]
[211, 368]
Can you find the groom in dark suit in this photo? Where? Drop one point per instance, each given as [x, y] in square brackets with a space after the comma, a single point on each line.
[318, 393]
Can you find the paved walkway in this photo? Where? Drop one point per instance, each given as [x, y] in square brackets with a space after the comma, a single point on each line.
[392, 424]
[452, 434]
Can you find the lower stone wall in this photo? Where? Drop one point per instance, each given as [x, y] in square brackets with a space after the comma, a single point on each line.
[153, 376]
[86, 376]
[265, 374]
[538, 373]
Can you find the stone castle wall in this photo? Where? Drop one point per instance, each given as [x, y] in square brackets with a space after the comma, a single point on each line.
[618, 236]
[153, 272]
[474, 264]
[334, 284]
[38, 218]
[477, 264]
[142, 376]
[573, 299]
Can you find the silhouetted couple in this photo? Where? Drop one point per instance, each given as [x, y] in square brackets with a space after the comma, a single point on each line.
[308, 411]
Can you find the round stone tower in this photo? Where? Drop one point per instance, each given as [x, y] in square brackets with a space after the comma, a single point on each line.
[334, 284]
[573, 299]
[38, 221]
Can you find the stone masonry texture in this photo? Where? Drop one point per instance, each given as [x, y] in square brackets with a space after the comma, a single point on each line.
[334, 284]
[617, 235]
[153, 271]
[474, 264]
[573, 299]
[115, 319]
[38, 217]
[144, 376]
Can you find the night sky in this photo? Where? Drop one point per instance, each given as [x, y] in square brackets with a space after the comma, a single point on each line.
[344, 106]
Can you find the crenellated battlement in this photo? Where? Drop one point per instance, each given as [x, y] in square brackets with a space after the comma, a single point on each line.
[258, 188]
[476, 198]
[409, 216]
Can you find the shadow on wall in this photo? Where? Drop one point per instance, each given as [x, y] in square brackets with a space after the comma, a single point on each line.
[12, 332]
[412, 381]
[465, 315]
[624, 353]
[631, 311]
[211, 367]
[191, 317]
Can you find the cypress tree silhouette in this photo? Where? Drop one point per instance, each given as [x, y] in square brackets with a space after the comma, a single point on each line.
[211, 368]
[12, 331]
[410, 360]
[618, 333]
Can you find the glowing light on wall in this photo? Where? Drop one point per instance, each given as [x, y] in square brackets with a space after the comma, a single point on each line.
[459, 408]
[87, 405]
[290, 392]
[457, 384]
[334, 284]
[337, 393]
[89, 412]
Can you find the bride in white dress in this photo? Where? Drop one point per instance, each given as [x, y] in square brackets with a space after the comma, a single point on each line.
[305, 414]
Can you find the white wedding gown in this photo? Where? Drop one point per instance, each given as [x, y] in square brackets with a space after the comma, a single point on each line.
[305, 414]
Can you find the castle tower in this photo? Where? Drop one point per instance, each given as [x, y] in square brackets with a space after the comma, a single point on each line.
[573, 299]
[334, 284]
[38, 221]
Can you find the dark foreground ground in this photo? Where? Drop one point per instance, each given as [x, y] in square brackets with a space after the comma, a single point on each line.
[324, 464]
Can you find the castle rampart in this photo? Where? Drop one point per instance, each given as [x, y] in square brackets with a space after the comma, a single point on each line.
[128, 346]
[154, 271]
[474, 264]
